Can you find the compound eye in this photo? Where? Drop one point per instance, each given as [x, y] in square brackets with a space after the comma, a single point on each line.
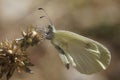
[50, 27]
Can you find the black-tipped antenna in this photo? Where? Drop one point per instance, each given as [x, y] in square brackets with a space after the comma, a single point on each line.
[46, 15]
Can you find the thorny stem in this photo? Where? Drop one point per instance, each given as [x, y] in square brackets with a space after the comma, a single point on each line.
[13, 54]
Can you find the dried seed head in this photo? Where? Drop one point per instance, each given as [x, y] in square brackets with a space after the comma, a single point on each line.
[11, 58]
[12, 54]
[30, 37]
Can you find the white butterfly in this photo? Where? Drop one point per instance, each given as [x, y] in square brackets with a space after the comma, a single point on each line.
[86, 55]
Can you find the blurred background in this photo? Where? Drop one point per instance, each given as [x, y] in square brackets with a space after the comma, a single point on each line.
[96, 19]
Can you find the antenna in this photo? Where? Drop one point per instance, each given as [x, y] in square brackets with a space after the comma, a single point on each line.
[51, 28]
[46, 15]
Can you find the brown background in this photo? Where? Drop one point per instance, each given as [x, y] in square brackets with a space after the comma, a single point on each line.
[96, 19]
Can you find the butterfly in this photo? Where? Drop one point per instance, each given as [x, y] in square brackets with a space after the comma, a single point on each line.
[86, 55]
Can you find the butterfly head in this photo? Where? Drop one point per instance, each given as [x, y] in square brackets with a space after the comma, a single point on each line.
[50, 32]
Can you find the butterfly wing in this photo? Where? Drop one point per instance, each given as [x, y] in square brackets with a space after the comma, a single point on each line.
[88, 55]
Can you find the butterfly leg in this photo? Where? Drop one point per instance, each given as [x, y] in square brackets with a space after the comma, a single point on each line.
[63, 57]
[71, 60]
[65, 60]
[69, 57]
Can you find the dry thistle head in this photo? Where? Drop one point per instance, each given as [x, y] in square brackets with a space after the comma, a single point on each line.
[11, 59]
[30, 38]
[13, 56]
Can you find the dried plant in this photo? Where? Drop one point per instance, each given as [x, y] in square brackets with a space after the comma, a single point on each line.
[13, 54]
